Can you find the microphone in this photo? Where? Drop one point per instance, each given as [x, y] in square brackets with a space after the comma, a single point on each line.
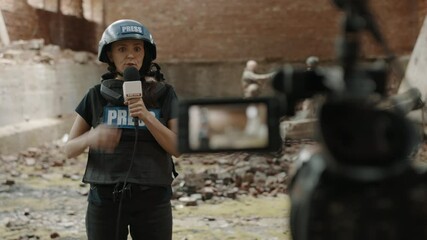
[132, 87]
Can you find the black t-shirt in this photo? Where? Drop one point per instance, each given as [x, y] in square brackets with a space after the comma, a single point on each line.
[152, 164]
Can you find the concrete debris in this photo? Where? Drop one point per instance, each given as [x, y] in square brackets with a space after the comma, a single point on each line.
[216, 177]
[44, 162]
[226, 176]
[298, 129]
[220, 175]
[37, 52]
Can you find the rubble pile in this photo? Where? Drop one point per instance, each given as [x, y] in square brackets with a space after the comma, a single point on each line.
[203, 179]
[201, 176]
[47, 161]
[35, 51]
[41, 158]
[211, 177]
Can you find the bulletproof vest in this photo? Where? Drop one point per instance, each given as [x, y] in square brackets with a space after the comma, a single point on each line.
[152, 164]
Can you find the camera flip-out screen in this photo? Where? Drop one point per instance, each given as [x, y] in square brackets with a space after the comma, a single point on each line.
[215, 125]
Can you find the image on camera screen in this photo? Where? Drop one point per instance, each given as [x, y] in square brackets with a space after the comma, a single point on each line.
[232, 126]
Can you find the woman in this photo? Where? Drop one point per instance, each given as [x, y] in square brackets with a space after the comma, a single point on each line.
[129, 170]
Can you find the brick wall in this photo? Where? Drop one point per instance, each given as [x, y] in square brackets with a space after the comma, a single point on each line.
[68, 31]
[220, 30]
[20, 19]
[270, 30]
[72, 7]
[206, 42]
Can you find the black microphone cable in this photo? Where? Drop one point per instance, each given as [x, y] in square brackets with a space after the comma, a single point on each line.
[122, 192]
[129, 74]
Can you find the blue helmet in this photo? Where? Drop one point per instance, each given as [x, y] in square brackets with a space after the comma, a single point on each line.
[125, 29]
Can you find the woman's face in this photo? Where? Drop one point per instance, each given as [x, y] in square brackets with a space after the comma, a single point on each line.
[127, 53]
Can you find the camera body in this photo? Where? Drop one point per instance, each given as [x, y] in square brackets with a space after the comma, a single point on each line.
[329, 205]
[361, 184]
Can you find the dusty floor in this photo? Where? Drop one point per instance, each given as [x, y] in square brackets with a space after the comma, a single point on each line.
[40, 209]
[42, 197]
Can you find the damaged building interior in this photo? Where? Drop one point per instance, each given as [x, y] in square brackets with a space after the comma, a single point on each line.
[49, 60]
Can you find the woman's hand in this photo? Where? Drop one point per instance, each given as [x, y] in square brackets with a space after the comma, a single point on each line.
[137, 108]
[164, 135]
[104, 138]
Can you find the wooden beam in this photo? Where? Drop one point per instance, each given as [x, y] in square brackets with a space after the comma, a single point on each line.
[416, 70]
[4, 36]
[415, 76]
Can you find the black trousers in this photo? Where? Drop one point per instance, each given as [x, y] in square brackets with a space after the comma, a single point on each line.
[146, 212]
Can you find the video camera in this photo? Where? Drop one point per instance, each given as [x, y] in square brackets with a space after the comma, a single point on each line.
[361, 183]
